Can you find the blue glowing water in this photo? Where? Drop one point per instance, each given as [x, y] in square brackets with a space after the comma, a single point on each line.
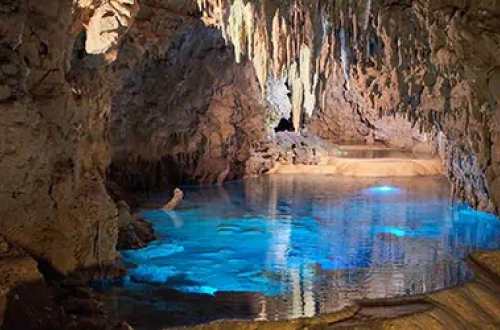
[312, 244]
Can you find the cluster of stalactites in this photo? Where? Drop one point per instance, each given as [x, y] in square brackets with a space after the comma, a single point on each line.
[294, 42]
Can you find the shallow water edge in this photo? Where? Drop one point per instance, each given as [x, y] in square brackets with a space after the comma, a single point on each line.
[474, 305]
[389, 219]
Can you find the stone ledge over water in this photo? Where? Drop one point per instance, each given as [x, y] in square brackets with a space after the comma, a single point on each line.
[475, 305]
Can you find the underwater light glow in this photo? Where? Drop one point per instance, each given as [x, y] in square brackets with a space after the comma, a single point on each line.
[384, 189]
[398, 232]
[204, 289]
[312, 238]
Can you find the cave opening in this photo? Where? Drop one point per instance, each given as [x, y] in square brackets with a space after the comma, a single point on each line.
[285, 125]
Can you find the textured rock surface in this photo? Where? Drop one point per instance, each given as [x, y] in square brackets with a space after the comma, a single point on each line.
[288, 148]
[133, 232]
[362, 61]
[174, 202]
[53, 202]
[190, 113]
[16, 268]
[475, 305]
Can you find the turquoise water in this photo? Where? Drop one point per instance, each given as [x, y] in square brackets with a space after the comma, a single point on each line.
[310, 244]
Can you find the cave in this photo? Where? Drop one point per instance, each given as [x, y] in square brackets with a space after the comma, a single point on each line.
[285, 125]
[245, 164]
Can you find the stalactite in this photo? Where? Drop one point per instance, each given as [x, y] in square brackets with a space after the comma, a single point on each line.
[297, 94]
[386, 59]
[237, 30]
[366, 16]
[344, 55]
[287, 50]
[276, 40]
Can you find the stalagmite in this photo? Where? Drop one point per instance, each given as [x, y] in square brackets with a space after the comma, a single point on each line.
[175, 200]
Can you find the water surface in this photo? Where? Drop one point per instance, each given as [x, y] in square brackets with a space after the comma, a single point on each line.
[283, 247]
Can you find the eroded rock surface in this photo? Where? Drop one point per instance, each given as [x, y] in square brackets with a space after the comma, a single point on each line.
[16, 268]
[352, 65]
[133, 232]
[174, 202]
[288, 148]
[190, 113]
[53, 202]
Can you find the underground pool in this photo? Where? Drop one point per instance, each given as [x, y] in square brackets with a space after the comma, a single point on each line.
[285, 246]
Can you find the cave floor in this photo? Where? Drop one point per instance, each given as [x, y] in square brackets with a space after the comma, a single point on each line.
[475, 305]
[352, 167]
[367, 161]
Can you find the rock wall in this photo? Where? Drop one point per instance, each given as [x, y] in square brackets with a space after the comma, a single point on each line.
[53, 155]
[188, 114]
[61, 62]
[433, 63]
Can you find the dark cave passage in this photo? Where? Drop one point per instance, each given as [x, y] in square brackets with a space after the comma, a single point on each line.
[285, 125]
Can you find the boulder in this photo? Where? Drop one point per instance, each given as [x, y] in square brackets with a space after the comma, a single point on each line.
[133, 232]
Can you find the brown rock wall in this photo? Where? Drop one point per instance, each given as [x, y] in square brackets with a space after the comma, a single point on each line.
[352, 64]
[190, 113]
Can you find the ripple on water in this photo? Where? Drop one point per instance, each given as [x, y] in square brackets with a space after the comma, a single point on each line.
[304, 246]
[152, 274]
[155, 250]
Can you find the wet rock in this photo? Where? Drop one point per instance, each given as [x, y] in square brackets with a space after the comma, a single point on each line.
[175, 200]
[490, 261]
[134, 233]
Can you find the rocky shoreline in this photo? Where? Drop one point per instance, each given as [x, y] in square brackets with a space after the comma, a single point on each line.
[35, 300]
[474, 305]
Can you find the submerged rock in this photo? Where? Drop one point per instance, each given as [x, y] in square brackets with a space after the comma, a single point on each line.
[388, 237]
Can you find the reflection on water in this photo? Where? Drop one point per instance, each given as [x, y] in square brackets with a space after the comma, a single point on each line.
[292, 246]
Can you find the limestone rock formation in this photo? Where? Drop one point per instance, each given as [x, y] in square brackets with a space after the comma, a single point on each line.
[16, 268]
[108, 23]
[133, 232]
[189, 113]
[350, 64]
[53, 202]
[175, 200]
